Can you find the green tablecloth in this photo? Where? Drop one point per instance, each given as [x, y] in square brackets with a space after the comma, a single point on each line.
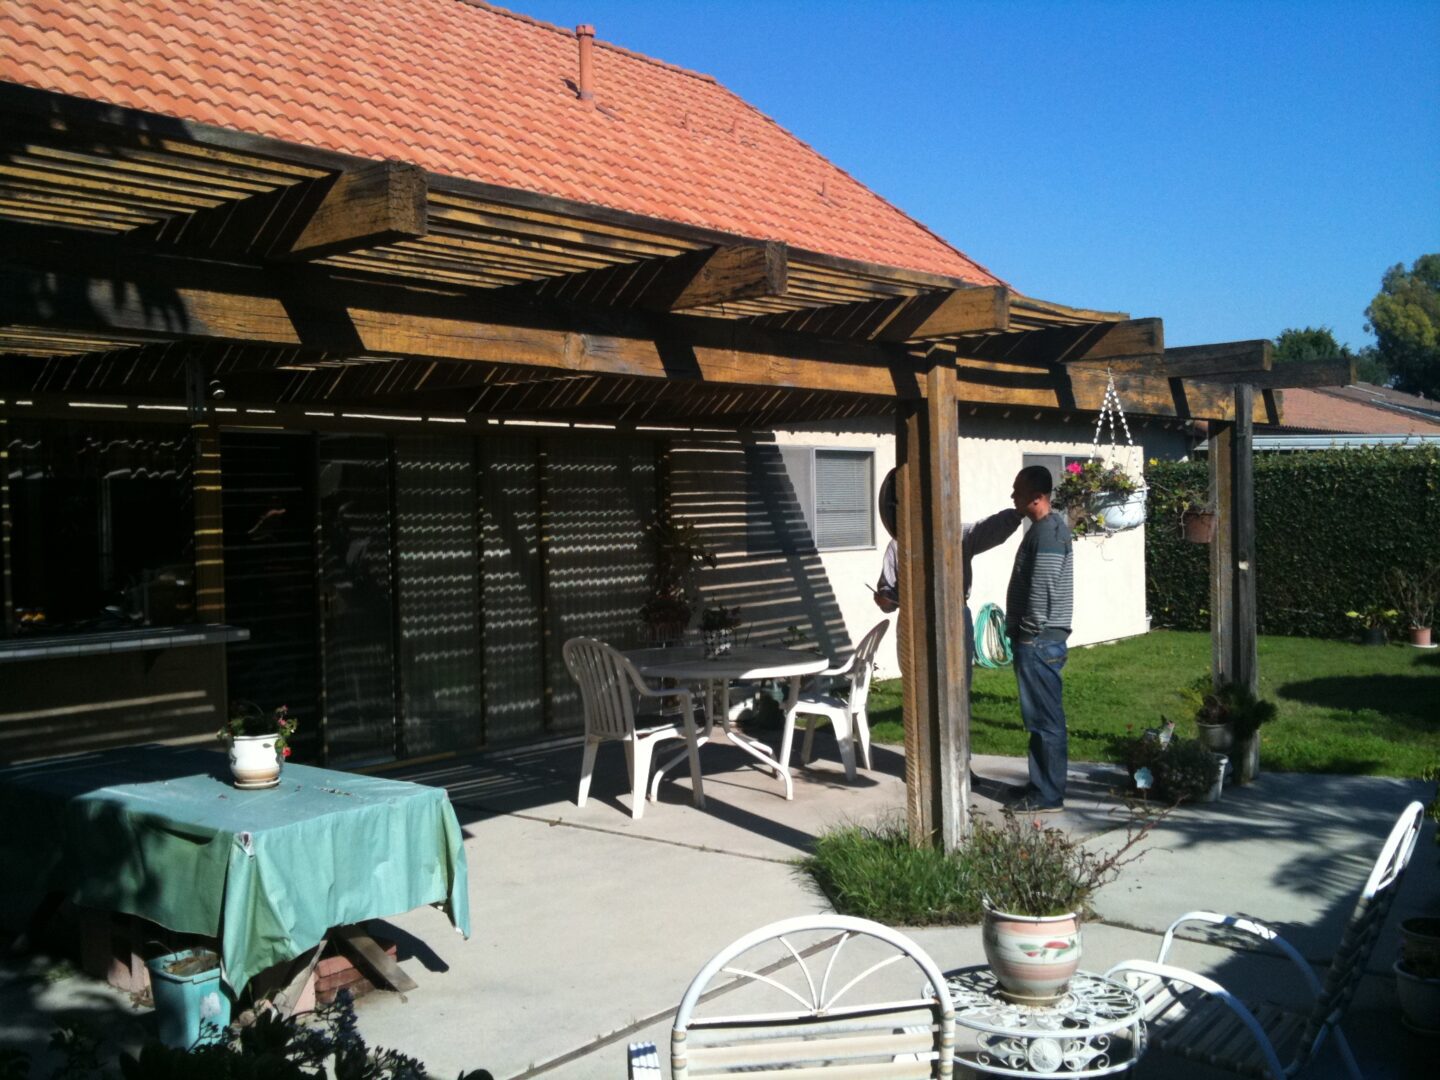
[162, 833]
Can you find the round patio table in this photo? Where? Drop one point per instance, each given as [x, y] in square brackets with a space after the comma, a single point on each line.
[687, 664]
[1096, 1028]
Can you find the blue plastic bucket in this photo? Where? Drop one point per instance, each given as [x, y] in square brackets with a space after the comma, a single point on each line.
[191, 1006]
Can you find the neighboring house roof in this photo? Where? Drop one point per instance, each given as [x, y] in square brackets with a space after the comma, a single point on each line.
[467, 90]
[1363, 409]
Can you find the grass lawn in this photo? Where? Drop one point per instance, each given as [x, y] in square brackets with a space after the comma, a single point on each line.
[1344, 708]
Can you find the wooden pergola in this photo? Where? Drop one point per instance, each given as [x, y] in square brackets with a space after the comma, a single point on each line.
[149, 261]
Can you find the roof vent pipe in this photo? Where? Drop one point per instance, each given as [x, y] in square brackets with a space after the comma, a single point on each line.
[585, 35]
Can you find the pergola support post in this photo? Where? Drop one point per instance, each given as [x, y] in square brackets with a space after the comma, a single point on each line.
[931, 632]
[1233, 634]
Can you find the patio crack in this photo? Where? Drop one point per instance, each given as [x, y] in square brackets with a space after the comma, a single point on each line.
[704, 848]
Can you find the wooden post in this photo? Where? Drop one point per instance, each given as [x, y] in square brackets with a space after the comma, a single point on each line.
[7, 591]
[1233, 634]
[931, 633]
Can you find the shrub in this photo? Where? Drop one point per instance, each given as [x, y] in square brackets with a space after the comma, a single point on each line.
[1342, 517]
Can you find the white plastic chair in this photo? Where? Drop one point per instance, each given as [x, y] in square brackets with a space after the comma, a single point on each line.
[609, 685]
[1197, 1018]
[877, 1034]
[848, 717]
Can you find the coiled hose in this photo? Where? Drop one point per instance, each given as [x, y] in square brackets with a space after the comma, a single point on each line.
[992, 644]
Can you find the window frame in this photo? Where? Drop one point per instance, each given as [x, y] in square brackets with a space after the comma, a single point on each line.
[812, 487]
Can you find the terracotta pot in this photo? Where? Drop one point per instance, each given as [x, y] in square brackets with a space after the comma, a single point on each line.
[1033, 958]
[1199, 525]
[1420, 637]
[255, 761]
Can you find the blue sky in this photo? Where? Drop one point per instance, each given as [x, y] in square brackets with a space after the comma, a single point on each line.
[1236, 168]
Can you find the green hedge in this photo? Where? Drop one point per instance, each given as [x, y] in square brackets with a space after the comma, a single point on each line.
[1329, 524]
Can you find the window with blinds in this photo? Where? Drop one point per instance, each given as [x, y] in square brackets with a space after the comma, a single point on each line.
[844, 499]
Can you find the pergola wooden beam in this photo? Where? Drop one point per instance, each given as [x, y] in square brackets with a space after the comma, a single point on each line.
[368, 206]
[1219, 361]
[719, 275]
[936, 314]
[1068, 344]
[1297, 376]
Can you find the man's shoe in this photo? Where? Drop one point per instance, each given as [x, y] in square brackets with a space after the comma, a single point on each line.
[1028, 804]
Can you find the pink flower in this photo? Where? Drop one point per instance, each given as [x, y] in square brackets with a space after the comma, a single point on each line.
[1075, 467]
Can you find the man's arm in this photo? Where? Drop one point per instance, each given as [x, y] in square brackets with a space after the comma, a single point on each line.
[887, 589]
[991, 532]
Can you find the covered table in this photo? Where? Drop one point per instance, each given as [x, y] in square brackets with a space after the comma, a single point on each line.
[162, 833]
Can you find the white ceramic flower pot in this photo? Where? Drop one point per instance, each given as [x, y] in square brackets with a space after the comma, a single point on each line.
[1419, 1001]
[1217, 737]
[255, 761]
[1120, 512]
[1033, 958]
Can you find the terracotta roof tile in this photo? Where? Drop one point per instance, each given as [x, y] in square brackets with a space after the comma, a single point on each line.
[1359, 410]
[468, 90]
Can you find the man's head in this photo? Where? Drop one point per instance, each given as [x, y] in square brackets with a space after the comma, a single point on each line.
[1031, 494]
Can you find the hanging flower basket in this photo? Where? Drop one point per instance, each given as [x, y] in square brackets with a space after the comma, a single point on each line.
[1103, 498]
[1199, 525]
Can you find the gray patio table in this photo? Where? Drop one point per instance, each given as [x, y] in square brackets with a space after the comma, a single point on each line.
[687, 664]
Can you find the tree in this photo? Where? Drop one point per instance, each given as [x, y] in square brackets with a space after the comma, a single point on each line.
[1405, 318]
[1313, 343]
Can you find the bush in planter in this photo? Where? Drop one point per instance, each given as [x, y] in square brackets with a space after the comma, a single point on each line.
[1235, 705]
[1415, 594]
[1177, 770]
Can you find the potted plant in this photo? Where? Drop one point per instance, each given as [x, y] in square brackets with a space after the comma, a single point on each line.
[1415, 595]
[1100, 498]
[1036, 884]
[1373, 619]
[258, 743]
[1175, 770]
[1197, 522]
[1417, 971]
[680, 554]
[719, 624]
[1230, 714]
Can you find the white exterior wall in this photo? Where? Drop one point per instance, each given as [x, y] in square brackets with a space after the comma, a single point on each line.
[1109, 572]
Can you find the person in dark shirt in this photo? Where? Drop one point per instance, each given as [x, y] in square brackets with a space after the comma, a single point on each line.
[1039, 606]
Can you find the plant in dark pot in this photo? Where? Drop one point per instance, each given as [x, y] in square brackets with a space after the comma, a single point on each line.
[1415, 594]
[1036, 884]
[1417, 971]
[680, 554]
[1373, 620]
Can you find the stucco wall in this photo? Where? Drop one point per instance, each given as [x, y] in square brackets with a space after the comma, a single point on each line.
[1109, 572]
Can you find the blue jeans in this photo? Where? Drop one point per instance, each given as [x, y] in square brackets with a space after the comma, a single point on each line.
[1037, 672]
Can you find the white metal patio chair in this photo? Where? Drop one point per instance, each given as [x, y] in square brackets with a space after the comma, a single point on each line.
[1197, 1018]
[609, 686]
[847, 716]
[802, 963]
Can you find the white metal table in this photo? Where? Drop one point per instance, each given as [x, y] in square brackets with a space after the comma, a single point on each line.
[1095, 1029]
[687, 664]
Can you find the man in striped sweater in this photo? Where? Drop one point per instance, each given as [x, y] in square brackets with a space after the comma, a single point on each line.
[1038, 609]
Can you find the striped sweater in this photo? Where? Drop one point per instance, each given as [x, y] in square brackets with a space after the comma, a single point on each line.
[1040, 602]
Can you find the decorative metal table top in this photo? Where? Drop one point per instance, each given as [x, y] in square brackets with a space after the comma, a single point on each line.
[1094, 1029]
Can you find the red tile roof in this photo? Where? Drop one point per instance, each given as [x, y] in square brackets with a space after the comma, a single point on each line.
[468, 90]
[1360, 410]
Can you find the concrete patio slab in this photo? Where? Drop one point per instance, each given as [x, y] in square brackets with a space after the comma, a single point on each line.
[590, 924]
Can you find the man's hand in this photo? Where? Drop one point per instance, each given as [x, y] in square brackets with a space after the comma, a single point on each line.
[884, 600]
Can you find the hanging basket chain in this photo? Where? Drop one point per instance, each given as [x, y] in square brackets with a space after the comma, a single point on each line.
[1111, 412]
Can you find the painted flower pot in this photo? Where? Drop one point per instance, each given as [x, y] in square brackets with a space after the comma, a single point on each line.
[1121, 512]
[255, 761]
[1199, 525]
[718, 643]
[1033, 958]
[191, 1006]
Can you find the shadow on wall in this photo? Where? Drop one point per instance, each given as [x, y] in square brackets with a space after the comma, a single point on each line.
[737, 491]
